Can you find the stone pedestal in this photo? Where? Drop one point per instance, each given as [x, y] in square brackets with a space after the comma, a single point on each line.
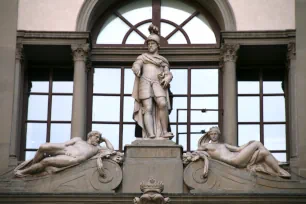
[160, 159]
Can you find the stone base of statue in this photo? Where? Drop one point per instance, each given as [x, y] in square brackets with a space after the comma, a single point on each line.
[147, 158]
[82, 178]
[223, 178]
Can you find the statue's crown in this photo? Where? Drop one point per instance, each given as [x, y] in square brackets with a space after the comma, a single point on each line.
[152, 186]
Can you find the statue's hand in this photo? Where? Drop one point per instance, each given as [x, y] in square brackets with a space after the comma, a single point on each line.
[165, 82]
[137, 71]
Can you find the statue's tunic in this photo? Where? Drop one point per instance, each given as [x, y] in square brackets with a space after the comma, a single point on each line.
[145, 88]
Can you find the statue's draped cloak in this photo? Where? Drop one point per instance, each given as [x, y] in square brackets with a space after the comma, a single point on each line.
[159, 61]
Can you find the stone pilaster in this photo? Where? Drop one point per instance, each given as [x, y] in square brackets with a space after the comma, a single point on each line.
[78, 123]
[16, 114]
[228, 65]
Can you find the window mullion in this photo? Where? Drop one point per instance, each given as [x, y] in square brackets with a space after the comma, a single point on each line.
[156, 7]
[121, 110]
[49, 105]
[261, 106]
[188, 107]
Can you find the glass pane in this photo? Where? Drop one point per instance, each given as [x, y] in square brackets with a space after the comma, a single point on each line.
[179, 102]
[179, 82]
[107, 80]
[106, 108]
[135, 38]
[137, 11]
[248, 109]
[60, 133]
[129, 78]
[36, 135]
[272, 87]
[39, 80]
[62, 81]
[40, 86]
[247, 133]
[166, 29]
[128, 134]
[275, 137]
[199, 31]
[248, 87]
[196, 133]
[128, 109]
[29, 155]
[38, 107]
[144, 28]
[113, 31]
[204, 81]
[201, 103]
[109, 131]
[176, 11]
[177, 38]
[274, 108]
[61, 108]
[282, 157]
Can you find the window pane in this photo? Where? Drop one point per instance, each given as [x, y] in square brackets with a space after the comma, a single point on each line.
[112, 31]
[36, 135]
[176, 11]
[272, 87]
[179, 102]
[166, 29]
[106, 108]
[196, 134]
[274, 108]
[29, 155]
[204, 81]
[135, 38]
[128, 134]
[39, 80]
[201, 103]
[128, 109]
[38, 107]
[179, 83]
[182, 137]
[199, 31]
[137, 11]
[129, 78]
[177, 38]
[62, 81]
[40, 86]
[107, 80]
[61, 108]
[144, 28]
[275, 137]
[60, 133]
[248, 87]
[280, 156]
[109, 131]
[247, 133]
[248, 109]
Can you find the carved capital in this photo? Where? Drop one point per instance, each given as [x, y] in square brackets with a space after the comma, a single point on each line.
[228, 53]
[291, 54]
[80, 51]
[19, 55]
[151, 193]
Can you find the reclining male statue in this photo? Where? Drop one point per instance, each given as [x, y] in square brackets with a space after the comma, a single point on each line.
[253, 155]
[62, 155]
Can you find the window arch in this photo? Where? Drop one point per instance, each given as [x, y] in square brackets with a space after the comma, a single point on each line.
[179, 23]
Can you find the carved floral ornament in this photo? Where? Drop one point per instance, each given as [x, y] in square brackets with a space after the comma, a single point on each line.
[80, 51]
[19, 52]
[291, 54]
[228, 53]
[152, 190]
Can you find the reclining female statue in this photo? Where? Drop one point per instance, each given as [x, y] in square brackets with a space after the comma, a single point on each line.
[253, 155]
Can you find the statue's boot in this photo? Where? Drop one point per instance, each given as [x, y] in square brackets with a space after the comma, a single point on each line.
[152, 136]
[168, 135]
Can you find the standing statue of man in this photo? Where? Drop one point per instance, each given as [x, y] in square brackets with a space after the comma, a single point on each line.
[151, 90]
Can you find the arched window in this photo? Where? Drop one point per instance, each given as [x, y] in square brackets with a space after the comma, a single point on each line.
[178, 22]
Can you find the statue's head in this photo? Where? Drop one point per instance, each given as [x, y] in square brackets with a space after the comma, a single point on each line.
[153, 39]
[94, 138]
[214, 133]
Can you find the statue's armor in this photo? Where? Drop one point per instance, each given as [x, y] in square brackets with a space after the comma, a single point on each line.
[149, 84]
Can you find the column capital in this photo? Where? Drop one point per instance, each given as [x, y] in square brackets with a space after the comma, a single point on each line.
[19, 54]
[80, 51]
[291, 52]
[228, 53]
